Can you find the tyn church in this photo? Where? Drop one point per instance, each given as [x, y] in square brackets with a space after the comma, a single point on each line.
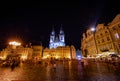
[57, 40]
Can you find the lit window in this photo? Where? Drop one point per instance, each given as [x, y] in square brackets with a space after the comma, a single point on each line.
[104, 47]
[116, 36]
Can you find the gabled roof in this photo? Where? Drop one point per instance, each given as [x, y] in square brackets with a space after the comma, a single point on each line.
[116, 19]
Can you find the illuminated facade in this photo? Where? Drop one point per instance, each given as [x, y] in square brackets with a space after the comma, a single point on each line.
[55, 40]
[60, 52]
[57, 48]
[16, 50]
[88, 44]
[114, 28]
[102, 42]
[37, 51]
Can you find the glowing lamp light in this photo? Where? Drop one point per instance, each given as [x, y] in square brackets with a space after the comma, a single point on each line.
[69, 57]
[92, 29]
[24, 57]
[3, 58]
[48, 55]
[56, 57]
[15, 43]
[79, 56]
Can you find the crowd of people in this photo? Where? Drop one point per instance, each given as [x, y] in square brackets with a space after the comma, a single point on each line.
[84, 62]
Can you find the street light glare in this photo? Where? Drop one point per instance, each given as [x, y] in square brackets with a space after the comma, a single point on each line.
[15, 43]
[92, 29]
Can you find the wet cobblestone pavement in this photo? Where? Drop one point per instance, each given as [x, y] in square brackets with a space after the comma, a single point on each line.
[67, 71]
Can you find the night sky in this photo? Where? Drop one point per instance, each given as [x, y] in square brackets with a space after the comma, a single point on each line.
[33, 21]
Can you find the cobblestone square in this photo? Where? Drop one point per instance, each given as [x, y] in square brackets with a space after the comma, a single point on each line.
[65, 71]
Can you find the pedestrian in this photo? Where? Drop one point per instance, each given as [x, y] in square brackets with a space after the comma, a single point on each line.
[13, 65]
[54, 67]
[82, 62]
[85, 63]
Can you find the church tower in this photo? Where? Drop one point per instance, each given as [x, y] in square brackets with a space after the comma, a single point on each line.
[61, 35]
[52, 36]
[57, 40]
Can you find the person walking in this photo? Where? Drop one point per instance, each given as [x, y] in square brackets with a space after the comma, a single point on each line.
[54, 66]
[13, 65]
[82, 62]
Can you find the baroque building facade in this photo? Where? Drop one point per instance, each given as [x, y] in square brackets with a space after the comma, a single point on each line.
[27, 52]
[102, 42]
[13, 51]
[60, 52]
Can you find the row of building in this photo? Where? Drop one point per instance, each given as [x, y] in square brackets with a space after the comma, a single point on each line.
[104, 41]
[57, 49]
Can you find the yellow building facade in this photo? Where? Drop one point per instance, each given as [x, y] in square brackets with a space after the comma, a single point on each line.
[102, 42]
[88, 45]
[37, 51]
[114, 27]
[60, 52]
[16, 51]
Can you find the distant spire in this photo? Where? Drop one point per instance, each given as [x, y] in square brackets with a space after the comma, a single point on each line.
[61, 31]
[53, 31]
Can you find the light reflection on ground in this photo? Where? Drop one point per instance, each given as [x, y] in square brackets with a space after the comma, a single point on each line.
[66, 71]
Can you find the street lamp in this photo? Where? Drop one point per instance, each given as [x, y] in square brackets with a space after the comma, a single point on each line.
[93, 29]
[14, 44]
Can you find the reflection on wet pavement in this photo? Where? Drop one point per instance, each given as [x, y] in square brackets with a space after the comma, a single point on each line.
[65, 71]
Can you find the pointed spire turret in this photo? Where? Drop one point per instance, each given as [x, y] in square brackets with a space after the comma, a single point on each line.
[61, 31]
[53, 31]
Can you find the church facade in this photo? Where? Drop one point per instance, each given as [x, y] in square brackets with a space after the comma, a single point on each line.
[57, 47]
[57, 40]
